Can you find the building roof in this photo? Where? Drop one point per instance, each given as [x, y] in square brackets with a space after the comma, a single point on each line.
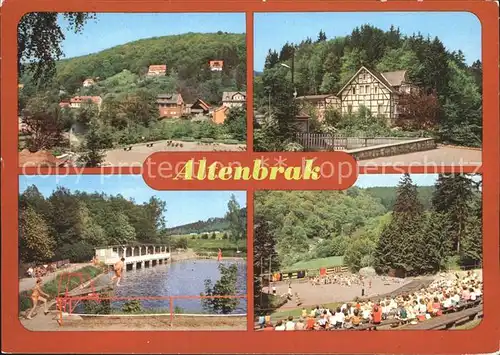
[376, 74]
[314, 97]
[202, 104]
[169, 98]
[395, 78]
[221, 108]
[79, 99]
[161, 67]
[40, 158]
[130, 245]
[229, 96]
[216, 63]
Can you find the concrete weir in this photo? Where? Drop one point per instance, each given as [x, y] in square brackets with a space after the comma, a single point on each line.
[136, 256]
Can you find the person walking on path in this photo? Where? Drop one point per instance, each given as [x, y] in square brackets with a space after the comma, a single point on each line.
[38, 295]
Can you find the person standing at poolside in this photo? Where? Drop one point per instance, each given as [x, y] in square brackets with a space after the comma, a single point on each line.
[118, 269]
[38, 295]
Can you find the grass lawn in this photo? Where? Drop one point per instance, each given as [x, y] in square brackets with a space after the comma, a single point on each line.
[317, 263]
[196, 243]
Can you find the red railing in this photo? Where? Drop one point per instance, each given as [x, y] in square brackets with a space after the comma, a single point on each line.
[67, 303]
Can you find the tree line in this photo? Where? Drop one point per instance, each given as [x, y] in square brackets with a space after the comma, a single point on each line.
[70, 224]
[409, 236]
[449, 106]
[418, 242]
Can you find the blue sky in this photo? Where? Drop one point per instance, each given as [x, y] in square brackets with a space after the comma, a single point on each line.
[182, 206]
[457, 30]
[112, 29]
[372, 180]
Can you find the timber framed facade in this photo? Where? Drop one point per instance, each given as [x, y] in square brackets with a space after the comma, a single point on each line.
[377, 92]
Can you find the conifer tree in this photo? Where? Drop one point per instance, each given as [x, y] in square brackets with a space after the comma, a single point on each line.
[453, 195]
[404, 234]
[435, 245]
[384, 251]
[472, 245]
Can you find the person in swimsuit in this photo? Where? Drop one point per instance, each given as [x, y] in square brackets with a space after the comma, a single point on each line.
[38, 295]
[118, 269]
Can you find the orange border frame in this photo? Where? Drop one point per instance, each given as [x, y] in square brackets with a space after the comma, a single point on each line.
[482, 339]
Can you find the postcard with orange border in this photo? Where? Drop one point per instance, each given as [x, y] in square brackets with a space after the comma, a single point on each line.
[192, 176]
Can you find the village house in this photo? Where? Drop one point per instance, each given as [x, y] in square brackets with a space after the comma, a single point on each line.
[170, 105]
[199, 107]
[378, 92]
[216, 65]
[78, 101]
[88, 83]
[234, 98]
[320, 103]
[157, 70]
[219, 115]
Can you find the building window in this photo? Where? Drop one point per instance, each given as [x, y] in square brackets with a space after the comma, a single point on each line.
[380, 109]
[349, 109]
[375, 89]
[354, 90]
[367, 89]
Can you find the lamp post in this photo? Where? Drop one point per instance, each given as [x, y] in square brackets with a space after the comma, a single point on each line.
[268, 88]
[292, 69]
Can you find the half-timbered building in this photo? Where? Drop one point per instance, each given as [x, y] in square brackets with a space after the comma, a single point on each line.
[378, 92]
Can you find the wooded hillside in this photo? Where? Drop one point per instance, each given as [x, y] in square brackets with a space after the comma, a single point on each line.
[210, 225]
[398, 231]
[121, 69]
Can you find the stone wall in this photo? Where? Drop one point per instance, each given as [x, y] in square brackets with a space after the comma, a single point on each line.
[387, 150]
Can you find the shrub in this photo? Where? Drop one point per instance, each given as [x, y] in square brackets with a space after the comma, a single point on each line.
[187, 139]
[207, 140]
[181, 243]
[225, 286]
[133, 306]
[204, 236]
[98, 307]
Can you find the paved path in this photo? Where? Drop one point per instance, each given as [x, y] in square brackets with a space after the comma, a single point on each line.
[28, 283]
[441, 156]
[139, 152]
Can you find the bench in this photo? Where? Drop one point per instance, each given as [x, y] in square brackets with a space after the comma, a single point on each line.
[371, 326]
[449, 320]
